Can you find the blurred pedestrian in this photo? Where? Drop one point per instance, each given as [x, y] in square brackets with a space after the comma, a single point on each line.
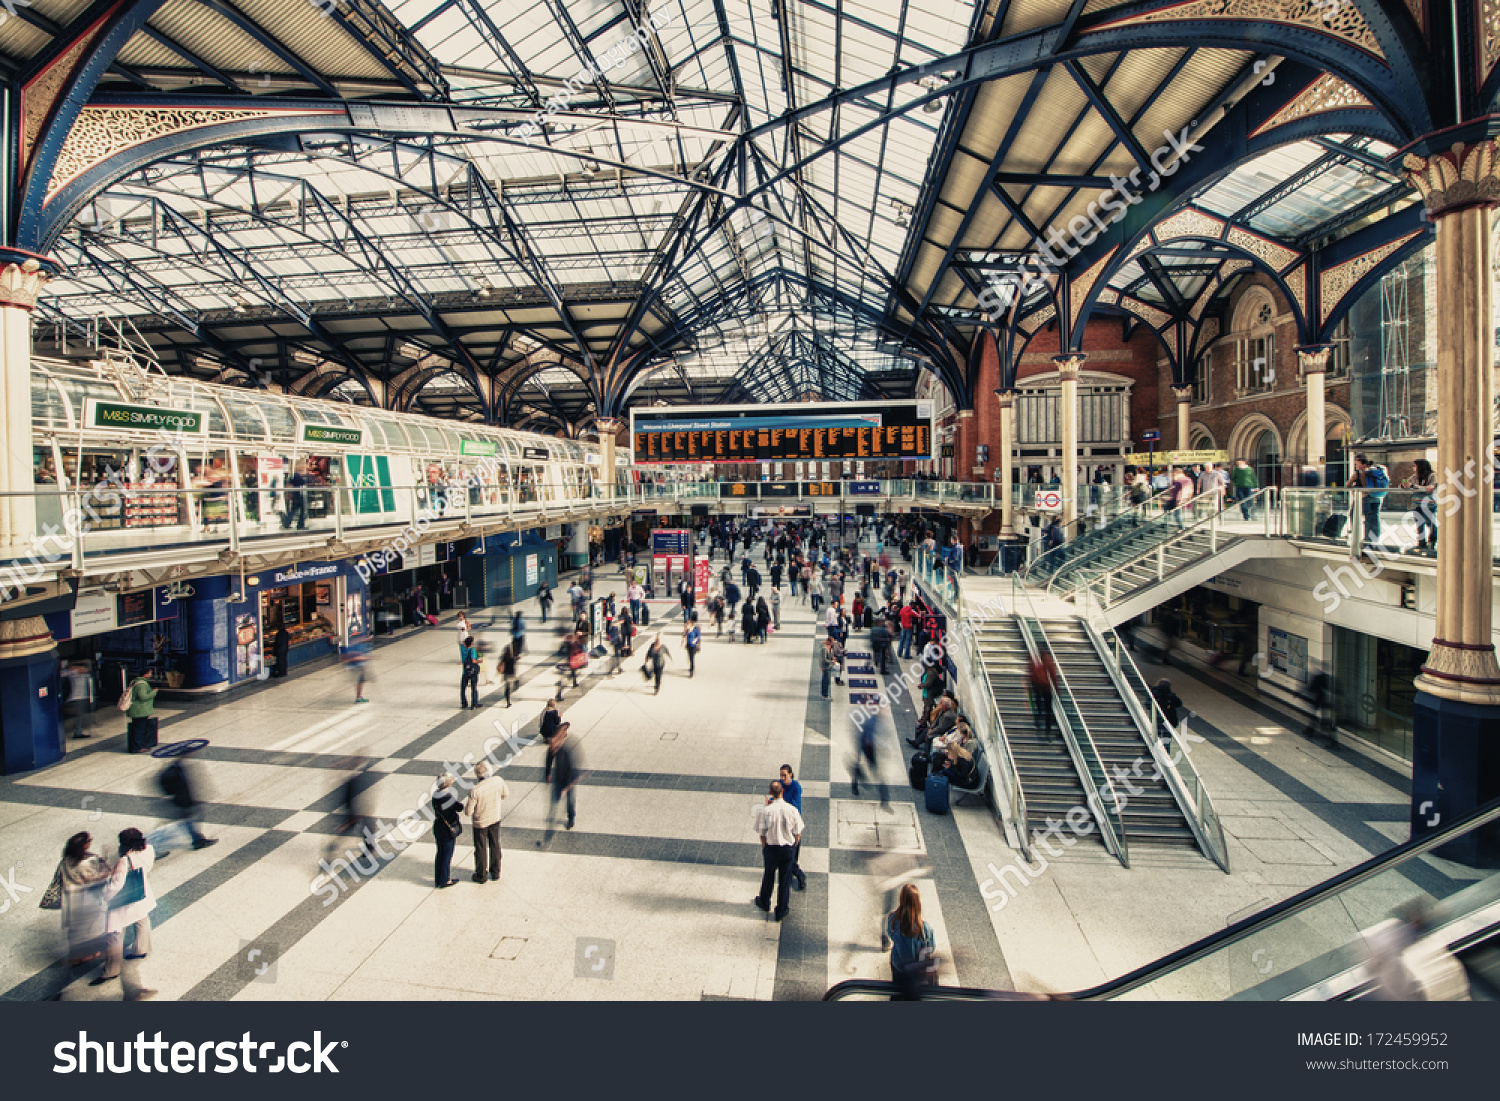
[357, 658]
[518, 632]
[865, 754]
[1168, 704]
[281, 646]
[81, 877]
[179, 783]
[657, 656]
[483, 808]
[447, 826]
[565, 771]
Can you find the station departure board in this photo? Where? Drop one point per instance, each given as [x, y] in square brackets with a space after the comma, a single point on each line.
[798, 432]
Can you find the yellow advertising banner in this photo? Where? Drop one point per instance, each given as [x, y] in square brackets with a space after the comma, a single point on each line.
[1176, 458]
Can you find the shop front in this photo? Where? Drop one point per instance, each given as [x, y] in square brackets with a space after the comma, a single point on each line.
[323, 606]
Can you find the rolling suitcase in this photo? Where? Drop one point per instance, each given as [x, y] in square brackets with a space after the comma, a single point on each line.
[917, 773]
[1333, 527]
[645, 614]
[936, 793]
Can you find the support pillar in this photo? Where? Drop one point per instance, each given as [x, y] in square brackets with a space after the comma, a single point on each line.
[21, 281]
[965, 453]
[1068, 366]
[1313, 360]
[608, 427]
[1456, 724]
[1007, 400]
[1184, 417]
[31, 733]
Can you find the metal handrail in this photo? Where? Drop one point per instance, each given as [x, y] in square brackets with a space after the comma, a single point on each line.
[1221, 938]
[1201, 816]
[1003, 772]
[1068, 549]
[1113, 832]
[1186, 531]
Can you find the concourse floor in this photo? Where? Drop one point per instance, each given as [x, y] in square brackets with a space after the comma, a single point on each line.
[649, 896]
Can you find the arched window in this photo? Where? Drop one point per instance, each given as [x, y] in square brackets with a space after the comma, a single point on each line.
[1255, 329]
[1268, 459]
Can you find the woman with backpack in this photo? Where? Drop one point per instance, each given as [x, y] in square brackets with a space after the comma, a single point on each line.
[139, 704]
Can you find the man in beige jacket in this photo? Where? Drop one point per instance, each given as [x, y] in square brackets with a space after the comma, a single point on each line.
[483, 808]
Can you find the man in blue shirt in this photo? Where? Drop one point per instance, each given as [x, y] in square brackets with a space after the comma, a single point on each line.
[791, 791]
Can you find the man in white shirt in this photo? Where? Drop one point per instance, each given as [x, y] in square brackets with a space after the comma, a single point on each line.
[635, 594]
[780, 828]
[483, 808]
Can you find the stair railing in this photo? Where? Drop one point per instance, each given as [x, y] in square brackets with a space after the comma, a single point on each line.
[1099, 793]
[984, 715]
[1210, 524]
[1175, 766]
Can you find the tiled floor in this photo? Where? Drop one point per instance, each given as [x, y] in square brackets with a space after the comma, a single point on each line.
[649, 896]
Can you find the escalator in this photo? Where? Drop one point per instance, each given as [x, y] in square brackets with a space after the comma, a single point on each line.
[1309, 947]
[1151, 814]
[1044, 767]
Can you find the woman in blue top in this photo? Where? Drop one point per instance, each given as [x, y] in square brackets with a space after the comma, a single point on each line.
[791, 792]
[912, 946]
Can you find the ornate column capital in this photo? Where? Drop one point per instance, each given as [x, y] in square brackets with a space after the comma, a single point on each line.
[1006, 398]
[21, 282]
[609, 425]
[1313, 358]
[20, 638]
[1184, 394]
[1462, 176]
[965, 414]
[1069, 364]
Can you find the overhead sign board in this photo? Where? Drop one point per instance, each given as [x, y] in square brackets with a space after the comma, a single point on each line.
[117, 415]
[1049, 500]
[790, 432]
[536, 453]
[1151, 435]
[327, 433]
[1177, 458]
[864, 489]
[479, 448]
[739, 489]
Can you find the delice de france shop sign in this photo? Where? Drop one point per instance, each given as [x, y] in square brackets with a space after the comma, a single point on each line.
[117, 415]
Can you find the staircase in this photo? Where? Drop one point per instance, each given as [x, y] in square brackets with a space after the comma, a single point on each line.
[1045, 769]
[1152, 817]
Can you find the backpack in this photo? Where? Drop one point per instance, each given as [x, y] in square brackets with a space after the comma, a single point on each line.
[127, 697]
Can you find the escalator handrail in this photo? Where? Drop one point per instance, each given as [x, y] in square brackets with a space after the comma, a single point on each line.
[1186, 531]
[1303, 900]
[1172, 961]
[1051, 568]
